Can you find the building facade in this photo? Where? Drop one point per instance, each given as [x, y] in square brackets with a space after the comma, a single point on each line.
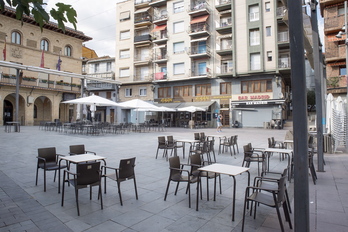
[335, 48]
[40, 94]
[223, 55]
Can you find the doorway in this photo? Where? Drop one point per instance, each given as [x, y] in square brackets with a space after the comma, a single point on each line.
[226, 117]
[8, 111]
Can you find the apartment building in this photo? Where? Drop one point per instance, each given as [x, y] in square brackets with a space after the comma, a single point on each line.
[222, 55]
[335, 48]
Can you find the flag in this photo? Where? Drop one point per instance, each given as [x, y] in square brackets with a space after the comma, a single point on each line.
[58, 63]
[42, 64]
[4, 51]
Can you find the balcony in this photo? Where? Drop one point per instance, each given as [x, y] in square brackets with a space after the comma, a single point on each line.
[335, 52]
[200, 73]
[281, 11]
[284, 63]
[142, 60]
[225, 26]
[160, 19]
[283, 39]
[224, 50]
[199, 9]
[223, 5]
[142, 39]
[141, 3]
[141, 77]
[160, 37]
[160, 76]
[226, 70]
[160, 58]
[157, 3]
[96, 85]
[333, 24]
[142, 19]
[199, 29]
[199, 51]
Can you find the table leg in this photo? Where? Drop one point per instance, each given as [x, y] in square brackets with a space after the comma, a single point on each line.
[234, 197]
[198, 180]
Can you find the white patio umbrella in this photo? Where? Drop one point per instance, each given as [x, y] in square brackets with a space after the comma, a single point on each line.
[93, 101]
[329, 107]
[191, 109]
[138, 104]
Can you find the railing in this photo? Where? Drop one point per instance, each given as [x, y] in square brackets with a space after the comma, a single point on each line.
[140, 77]
[160, 35]
[141, 38]
[284, 63]
[223, 2]
[142, 58]
[199, 49]
[335, 22]
[138, 2]
[281, 11]
[225, 22]
[160, 76]
[143, 18]
[226, 68]
[200, 6]
[160, 17]
[198, 27]
[161, 56]
[283, 36]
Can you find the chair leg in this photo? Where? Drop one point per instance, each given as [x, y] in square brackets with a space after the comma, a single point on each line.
[37, 173]
[280, 218]
[135, 187]
[165, 195]
[44, 180]
[157, 152]
[77, 201]
[245, 200]
[100, 194]
[119, 191]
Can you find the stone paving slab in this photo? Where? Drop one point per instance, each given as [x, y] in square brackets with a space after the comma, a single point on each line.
[26, 207]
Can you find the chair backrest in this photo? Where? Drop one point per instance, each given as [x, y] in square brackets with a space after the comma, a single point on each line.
[270, 144]
[126, 168]
[235, 139]
[273, 141]
[281, 190]
[197, 136]
[247, 150]
[161, 140]
[48, 153]
[202, 136]
[174, 162]
[88, 173]
[195, 160]
[77, 149]
[231, 140]
[170, 140]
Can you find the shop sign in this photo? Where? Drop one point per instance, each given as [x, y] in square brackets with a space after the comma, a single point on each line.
[254, 97]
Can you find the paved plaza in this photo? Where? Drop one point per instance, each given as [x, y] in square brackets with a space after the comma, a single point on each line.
[26, 207]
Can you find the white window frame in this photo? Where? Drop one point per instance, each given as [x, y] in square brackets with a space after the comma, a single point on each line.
[142, 91]
[124, 72]
[67, 50]
[16, 37]
[254, 13]
[268, 31]
[179, 68]
[178, 27]
[254, 37]
[178, 7]
[125, 15]
[124, 54]
[267, 6]
[96, 67]
[44, 45]
[108, 66]
[269, 55]
[128, 92]
[125, 35]
[255, 61]
[178, 47]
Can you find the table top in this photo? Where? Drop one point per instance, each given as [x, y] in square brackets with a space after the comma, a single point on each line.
[279, 150]
[188, 140]
[288, 141]
[12, 122]
[82, 158]
[224, 169]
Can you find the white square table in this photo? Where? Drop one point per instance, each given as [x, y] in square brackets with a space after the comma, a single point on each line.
[287, 152]
[78, 159]
[225, 169]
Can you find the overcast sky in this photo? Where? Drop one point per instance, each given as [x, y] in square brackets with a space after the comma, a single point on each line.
[97, 20]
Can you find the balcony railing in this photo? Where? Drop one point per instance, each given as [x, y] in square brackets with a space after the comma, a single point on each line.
[198, 27]
[223, 2]
[283, 37]
[281, 11]
[199, 50]
[142, 38]
[284, 63]
[142, 58]
[226, 68]
[160, 76]
[334, 23]
[139, 2]
[158, 35]
[161, 17]
[225, 22]
[203, 6]
[141, 18]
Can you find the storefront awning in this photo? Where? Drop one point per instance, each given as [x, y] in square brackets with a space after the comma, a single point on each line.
[159, 28]
[142, 10]
[175, 105]
[199, 19]
[260, 102]
[336, 64]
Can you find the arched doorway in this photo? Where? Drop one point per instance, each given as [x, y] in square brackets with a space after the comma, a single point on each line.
[42, 110]
[8, 111]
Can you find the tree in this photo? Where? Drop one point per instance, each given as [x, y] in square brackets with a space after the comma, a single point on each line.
[62, 13]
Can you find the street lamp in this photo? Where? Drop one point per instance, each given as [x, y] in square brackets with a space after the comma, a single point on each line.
[339, 35]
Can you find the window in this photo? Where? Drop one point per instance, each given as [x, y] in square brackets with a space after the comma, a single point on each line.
[204, 89]
[164, 92]
[178, 6]
[16, 37]
[124, 54]
[124, 72]
[255, 61]
[268, 31]
[108, 95]
[124, 35]
[340, 10]
[254, 36]
[225, 88]
[128, 92]
[183, 91]
[179, 68]
[178, 27]
[253, 13]
[142, 91]
[108, 66]
[44, 45]
[96, 68]
[67, 50]
[256, 86]
[267, 6]
[125, 15]
[178, 47]
[343, 71]
[269, 56]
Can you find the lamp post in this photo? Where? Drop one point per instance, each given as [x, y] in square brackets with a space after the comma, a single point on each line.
[339, 35]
